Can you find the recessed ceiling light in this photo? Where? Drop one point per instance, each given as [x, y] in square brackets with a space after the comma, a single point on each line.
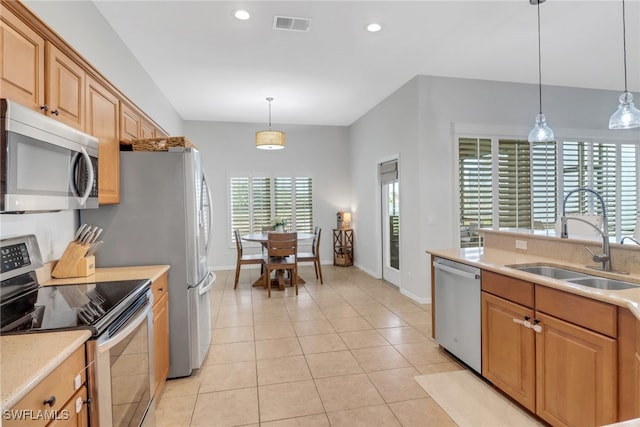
[242, 15]
[374, 27]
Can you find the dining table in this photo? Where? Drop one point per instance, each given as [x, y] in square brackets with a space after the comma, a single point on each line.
[279, 281]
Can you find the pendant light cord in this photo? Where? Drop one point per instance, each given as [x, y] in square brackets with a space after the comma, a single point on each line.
[269, 99]
[540, 60]
[624, 46]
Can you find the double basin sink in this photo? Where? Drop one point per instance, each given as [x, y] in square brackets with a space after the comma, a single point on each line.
[578, 278]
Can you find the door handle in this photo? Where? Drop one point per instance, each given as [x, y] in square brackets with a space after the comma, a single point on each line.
[455, 271]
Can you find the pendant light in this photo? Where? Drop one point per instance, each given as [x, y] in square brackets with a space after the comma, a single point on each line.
[270, 139]
[627, 116]
[540, 132]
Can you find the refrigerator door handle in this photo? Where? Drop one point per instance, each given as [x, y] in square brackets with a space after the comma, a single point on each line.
[209, 216]
[204, 289]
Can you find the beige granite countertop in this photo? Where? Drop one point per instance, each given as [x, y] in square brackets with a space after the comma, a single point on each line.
[497, 260]
[27, 359]
[107, 274]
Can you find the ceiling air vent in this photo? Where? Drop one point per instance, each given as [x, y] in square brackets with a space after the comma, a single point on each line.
[288, 23]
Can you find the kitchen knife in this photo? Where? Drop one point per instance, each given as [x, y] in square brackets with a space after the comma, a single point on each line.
[79, 232]
[92, 250]
[88, 238]
[96, 234]
[84, 234]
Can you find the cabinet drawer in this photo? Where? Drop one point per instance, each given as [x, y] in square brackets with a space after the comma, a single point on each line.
[75, 412]
[159, 288]
[511, 289]
[58, 384]
[595, 315]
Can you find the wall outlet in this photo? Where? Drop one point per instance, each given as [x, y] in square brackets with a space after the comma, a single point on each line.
[521, 244]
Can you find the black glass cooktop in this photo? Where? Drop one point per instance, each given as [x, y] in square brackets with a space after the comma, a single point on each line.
[82, 306]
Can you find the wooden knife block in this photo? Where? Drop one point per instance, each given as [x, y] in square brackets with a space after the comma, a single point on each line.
[74, 263]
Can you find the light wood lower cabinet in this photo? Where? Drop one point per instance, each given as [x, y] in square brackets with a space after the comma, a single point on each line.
[628, 365]
[160, 332]
[75, 413]
[57, 392]
[508, 350]
[563, 371]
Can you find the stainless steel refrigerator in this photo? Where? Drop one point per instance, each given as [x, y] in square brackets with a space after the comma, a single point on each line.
[164, 217]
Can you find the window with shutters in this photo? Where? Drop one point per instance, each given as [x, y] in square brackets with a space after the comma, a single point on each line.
[515, 184]
[255, 200]
[476, 189]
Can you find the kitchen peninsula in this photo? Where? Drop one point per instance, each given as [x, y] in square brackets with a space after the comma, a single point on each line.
[553, 345]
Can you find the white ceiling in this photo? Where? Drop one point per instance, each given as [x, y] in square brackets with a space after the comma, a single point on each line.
[212, 66]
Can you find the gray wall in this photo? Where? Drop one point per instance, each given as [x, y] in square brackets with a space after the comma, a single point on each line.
[82, 26]
[417, 124]
[320, 152]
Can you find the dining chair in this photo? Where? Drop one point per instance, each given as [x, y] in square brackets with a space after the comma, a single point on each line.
[242, 258]
[282, 249]
[314, 255]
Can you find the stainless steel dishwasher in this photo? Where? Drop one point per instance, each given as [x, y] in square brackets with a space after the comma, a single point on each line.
[457, 310]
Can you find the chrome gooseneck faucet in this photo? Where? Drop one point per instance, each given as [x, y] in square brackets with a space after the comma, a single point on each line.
[605, 257]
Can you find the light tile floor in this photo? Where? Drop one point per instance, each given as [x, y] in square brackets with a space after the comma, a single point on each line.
[340, 354]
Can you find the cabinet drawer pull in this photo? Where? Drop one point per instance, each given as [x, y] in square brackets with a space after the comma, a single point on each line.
[50, 401]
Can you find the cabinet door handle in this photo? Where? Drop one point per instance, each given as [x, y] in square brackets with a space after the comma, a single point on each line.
[44, 107]
[50, 401]
[524, 323]
[55, 112]
[536, 327]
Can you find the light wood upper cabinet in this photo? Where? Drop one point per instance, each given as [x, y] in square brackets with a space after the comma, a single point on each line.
[129, 122]
[133, 125]
[21, 62]
[103, 118]
[147, 130]
[65, 88]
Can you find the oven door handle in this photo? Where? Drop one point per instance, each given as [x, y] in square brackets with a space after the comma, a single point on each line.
[87, 191]
[124, 332]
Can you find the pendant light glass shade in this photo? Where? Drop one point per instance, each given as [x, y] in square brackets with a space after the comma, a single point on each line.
[627, 116]
[540, 132]
[270, 139]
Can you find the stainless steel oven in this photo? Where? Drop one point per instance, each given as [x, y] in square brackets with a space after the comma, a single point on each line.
[120, 370]
[118, 314]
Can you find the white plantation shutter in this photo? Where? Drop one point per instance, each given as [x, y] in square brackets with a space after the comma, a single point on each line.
[254, 201]
[531, 181]
[605, 180]
[304, 205]
[628, 188]
[544, 183]
[475, 184]
[240, 210]
[514, 184]
[261, 206]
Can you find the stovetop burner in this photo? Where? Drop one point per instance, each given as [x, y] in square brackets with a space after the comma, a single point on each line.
[27, 307]
[86, 306]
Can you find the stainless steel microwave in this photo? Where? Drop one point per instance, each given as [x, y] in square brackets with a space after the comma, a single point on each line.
[46, 165]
